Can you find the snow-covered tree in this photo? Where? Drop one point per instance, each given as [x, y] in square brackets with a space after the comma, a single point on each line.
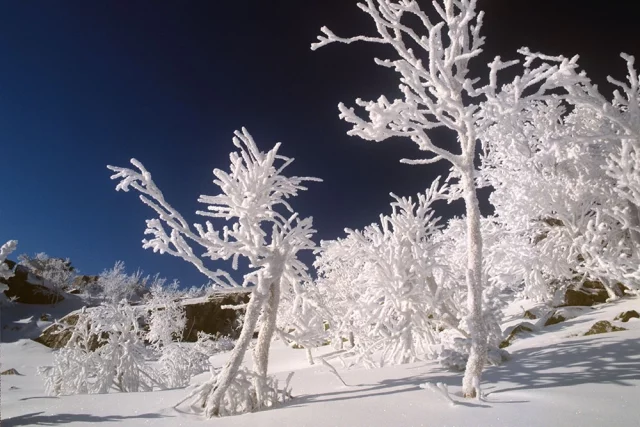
[497, 291]
[264, 230]
[432, 59]
[563, 164]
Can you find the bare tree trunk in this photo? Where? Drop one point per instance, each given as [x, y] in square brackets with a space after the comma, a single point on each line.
[477, 327]
[261, 351]
[212, 406]
[634, 221]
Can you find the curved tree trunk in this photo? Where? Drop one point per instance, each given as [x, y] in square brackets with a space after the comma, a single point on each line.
[634, 220]
[477, 327]
[229, 372]
[261, 351]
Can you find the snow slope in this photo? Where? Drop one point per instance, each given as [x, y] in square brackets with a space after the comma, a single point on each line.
[25, 320]
[556, 377]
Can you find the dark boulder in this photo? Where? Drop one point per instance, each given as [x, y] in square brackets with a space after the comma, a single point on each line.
[517, 330]
[30, 289]
[209, 316]
[554, 319]
[602, 327]
[590, 293]
[627, 315]
[564, 313]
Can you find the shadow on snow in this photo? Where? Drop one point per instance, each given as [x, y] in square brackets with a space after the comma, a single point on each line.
[594, 360]
[38, 419]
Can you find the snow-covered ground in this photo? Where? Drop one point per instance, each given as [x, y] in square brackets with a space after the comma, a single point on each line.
[556, 377]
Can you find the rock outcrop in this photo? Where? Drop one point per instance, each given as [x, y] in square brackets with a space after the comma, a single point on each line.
[590, 293]
[81, 283]
[30, 289]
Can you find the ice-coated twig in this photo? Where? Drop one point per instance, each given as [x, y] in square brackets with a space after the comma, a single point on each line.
[333, 370]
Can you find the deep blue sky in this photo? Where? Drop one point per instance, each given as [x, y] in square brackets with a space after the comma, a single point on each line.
[86, 84]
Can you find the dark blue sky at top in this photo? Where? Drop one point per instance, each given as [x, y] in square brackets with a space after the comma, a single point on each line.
[86, 84]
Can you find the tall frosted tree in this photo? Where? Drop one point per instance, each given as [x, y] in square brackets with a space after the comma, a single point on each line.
[431, 56]
[434, 95]
[263, 229]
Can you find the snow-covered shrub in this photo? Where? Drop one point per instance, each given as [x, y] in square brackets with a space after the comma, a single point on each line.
[73, 366]
[119, 362]
[455, 351]
[115, 285]
[264, 230]
[56, 270]
[165, 316]
[197, 291]
[116, 346]
[388, 287]
[303, 319]
[179, 362]
[397, 289]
